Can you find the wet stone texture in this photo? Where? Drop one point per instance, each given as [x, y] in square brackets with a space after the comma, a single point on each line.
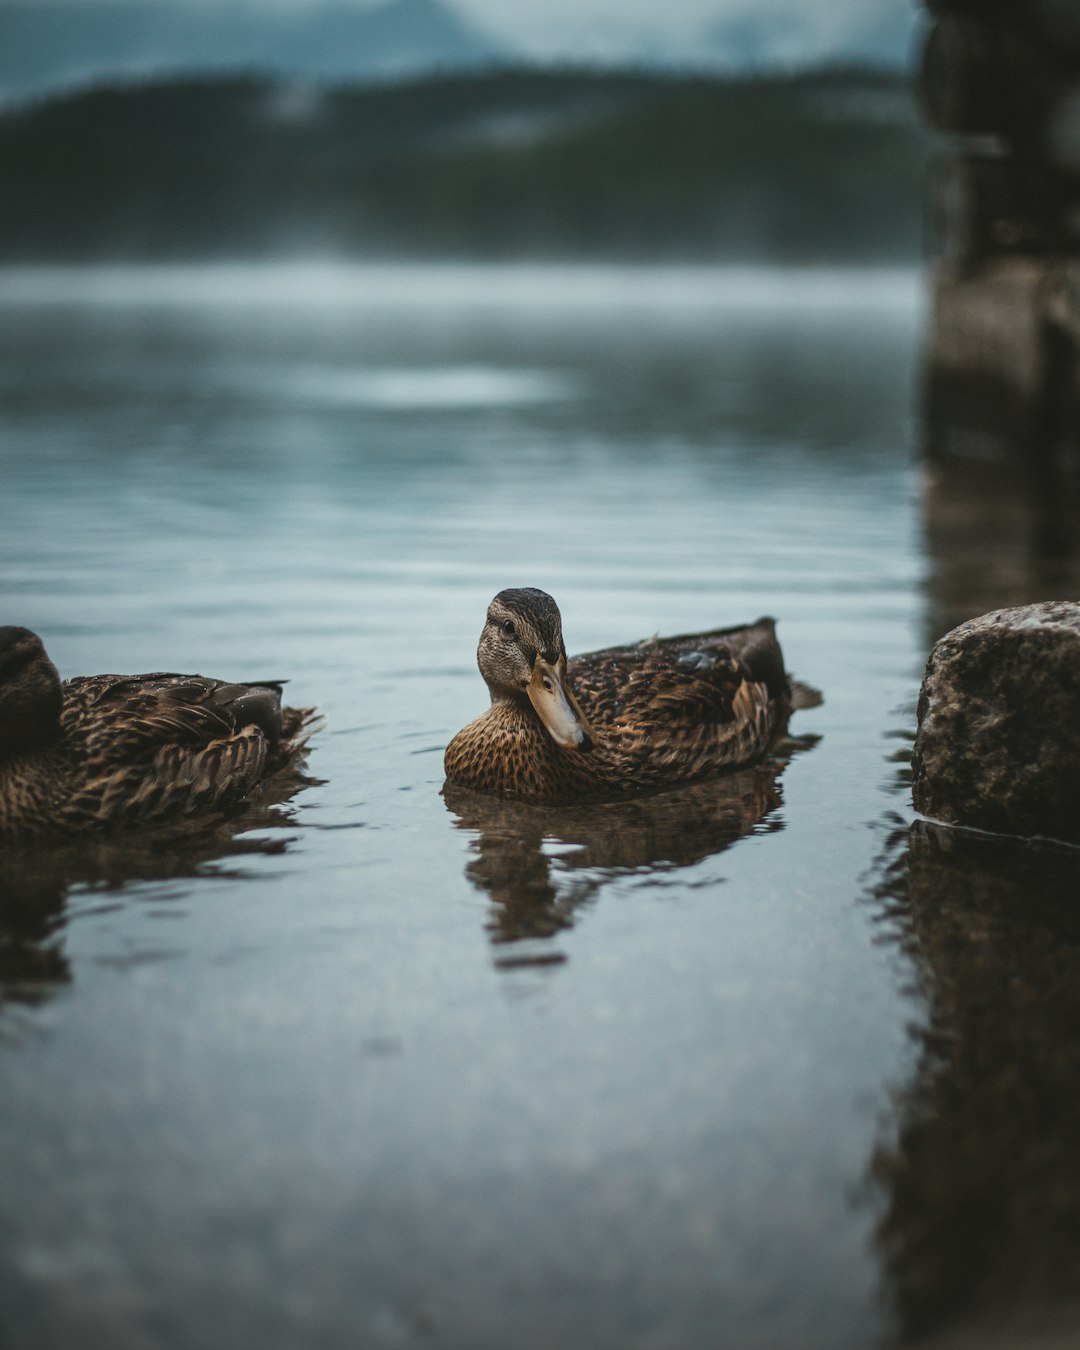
[998, 743]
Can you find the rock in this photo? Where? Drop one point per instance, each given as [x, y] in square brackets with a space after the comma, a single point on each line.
[998, 744]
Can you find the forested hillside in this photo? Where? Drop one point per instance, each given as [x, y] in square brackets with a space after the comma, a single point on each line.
[511, 164]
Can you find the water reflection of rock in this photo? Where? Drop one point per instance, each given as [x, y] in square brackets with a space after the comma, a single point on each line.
[981, 1180]
[35, 880]
[541, 864]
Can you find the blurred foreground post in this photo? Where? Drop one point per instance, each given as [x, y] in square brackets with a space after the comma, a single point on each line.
[1000, 79]
[999, 83]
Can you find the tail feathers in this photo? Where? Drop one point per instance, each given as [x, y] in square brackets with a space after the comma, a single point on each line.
[298, 725]
[756, 645]
[757, 648]
[805, 696]
[287, 730]
[252, 705]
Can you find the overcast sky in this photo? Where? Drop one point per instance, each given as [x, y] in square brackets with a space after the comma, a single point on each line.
[753, 31]
[786, 30]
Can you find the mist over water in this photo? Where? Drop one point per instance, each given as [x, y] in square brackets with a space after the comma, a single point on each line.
[400, 1068]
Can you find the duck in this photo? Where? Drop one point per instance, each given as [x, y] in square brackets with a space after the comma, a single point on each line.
[622, 722]
[106, 753]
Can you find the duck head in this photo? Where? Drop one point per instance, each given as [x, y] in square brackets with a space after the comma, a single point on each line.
[522, 657]
[30, 695]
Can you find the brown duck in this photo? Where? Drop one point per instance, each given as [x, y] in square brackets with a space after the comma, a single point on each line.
[107, 752]
[619, 722]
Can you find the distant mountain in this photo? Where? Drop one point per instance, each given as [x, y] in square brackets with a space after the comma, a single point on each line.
[49, 43]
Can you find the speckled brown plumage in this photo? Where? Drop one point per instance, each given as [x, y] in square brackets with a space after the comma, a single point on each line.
[113, 752]
[652, 715]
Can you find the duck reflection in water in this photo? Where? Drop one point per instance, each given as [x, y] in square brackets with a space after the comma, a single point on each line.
[36, 881]
[541, 864]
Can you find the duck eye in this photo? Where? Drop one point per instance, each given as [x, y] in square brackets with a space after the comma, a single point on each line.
[507, 626]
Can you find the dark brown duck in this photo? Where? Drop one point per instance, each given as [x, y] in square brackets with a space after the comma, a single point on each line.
[615, 723]
[107, 752]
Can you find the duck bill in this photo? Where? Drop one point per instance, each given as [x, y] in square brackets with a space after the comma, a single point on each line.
[557, 708]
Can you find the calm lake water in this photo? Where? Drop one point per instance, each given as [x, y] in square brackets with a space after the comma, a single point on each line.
[392, 1068]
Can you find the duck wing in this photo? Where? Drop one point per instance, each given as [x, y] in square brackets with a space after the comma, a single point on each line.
[163, 744]
[693, 680]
